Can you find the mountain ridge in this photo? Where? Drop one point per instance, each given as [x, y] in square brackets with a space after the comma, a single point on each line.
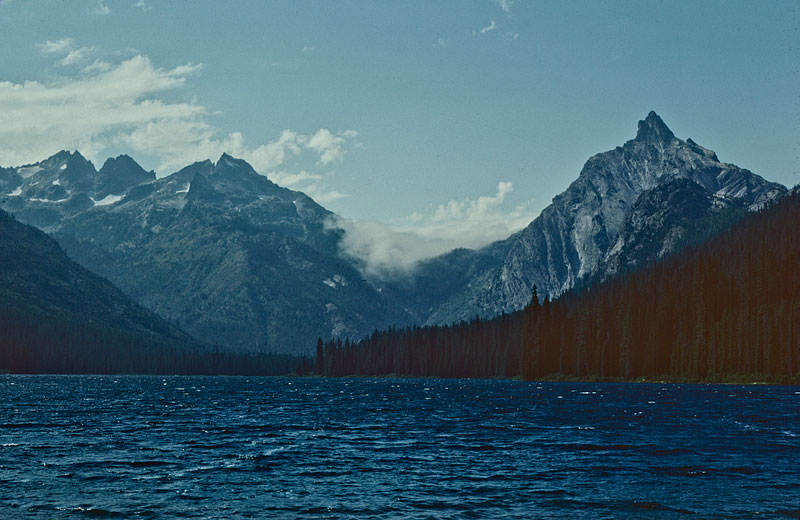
[216, 248]
[232, 257]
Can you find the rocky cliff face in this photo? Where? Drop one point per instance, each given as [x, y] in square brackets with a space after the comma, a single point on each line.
[666, 219]
[573, 237]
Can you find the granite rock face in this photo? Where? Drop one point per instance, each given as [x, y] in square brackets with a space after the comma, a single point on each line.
[577, 233]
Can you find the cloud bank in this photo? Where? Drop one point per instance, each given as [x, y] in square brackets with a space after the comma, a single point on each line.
[134, 105]
[139, 107]
[392, 250]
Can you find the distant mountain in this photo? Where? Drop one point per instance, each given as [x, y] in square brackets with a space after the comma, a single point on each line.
[579, 233]
[216, 248]
[50, 303]
[236, 260]
[436, 281]
[725, 309]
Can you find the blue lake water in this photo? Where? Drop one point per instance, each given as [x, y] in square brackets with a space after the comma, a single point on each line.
[209, 447]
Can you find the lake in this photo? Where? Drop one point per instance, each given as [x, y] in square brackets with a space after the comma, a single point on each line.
[229, 447]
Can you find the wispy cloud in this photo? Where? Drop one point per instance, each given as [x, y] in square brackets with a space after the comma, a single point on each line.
[322, 194]
[390, 250]
[144, 6]
[101, 8]
[61, 46]
[505, 5]
[70, 53]
[292, 180]
[489, 28]
[128, 105]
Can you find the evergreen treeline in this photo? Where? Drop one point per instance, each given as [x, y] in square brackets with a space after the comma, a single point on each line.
[724, 310]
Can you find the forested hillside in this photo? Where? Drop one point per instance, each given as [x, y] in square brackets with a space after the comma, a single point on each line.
[727, 309]
[57, 317]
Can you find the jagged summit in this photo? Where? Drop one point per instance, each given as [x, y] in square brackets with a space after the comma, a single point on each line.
[229, 162]
[119, 161]
[120, 174]
[653, 129]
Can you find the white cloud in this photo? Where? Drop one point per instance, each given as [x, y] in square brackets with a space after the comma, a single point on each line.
[328, 145]
[389, 250]
[101, 8]
[323, 194]
[141, 4]
[62, 46]
[66, 48]
[489, 28]
[506, 5]
[289, 180]
[130, 105]
[308, 183]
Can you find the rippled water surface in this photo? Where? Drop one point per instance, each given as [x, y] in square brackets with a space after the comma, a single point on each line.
[206, 447]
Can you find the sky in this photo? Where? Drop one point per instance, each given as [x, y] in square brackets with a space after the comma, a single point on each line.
[423, 125]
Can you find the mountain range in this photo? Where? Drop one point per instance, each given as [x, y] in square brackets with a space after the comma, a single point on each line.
[215, 248]
[228, 256]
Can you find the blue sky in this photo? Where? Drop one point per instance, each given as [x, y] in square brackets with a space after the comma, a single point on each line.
[454, 121]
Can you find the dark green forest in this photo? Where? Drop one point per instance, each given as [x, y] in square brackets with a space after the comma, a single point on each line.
[727, 309]
[31, 343]
[57, 317]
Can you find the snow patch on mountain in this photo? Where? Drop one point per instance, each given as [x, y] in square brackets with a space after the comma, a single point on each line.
[28, 171]
[107, 200]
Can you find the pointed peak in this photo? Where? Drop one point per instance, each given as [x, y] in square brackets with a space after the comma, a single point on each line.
[228, 164]
[652, 128]
[120, 161]
[228, 160]
[74, 161]
[65, 155]
[59, 156]
[119, 174]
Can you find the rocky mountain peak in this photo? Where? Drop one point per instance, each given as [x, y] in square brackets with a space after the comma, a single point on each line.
[573, 237]
[653, 129]
[125, 162]
[228, 164]
[120, 174]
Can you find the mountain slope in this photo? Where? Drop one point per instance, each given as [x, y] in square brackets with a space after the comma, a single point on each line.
[46, 297]
[572, 237]
[666, 219]
[215, 247]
